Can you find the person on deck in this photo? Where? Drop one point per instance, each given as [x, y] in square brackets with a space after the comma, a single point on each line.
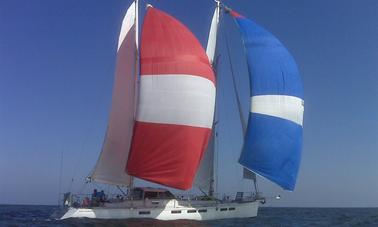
[86, 202]
[94, 199]
[101, 196]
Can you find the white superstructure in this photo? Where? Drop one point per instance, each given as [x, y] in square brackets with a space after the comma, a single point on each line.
[168, 210]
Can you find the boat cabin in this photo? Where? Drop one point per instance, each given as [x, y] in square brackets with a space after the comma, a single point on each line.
[151, 193]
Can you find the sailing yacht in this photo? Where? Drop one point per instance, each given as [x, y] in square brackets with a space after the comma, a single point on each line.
[163, 125]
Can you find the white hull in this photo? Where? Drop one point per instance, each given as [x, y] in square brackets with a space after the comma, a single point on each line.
[172, 211]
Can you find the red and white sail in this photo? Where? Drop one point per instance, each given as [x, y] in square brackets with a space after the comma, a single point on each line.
[176, 104]
[110, 167]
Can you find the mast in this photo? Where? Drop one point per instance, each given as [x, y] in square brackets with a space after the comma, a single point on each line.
[136, 71]
[210, 51]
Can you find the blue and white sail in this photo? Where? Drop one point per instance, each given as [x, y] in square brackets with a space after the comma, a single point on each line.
[273, 140]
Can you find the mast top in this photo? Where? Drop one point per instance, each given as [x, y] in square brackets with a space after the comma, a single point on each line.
[148, 6]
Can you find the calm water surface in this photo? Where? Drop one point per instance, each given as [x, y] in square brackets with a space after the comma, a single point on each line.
[20, 215]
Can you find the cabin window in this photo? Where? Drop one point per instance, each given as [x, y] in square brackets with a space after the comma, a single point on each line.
[223, 209]
[166, 195]
[202, 211]
[150, 195]
[231, 208]
[155, 202]
[176, 211]
[137, 193]
[191, 211]
[144, 212]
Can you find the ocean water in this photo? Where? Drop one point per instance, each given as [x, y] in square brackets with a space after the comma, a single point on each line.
[20, 215]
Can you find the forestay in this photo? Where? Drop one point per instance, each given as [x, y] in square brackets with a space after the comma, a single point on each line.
[273, 139]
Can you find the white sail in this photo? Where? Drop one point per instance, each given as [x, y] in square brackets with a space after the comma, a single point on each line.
[212, 40]
[205, 175]
[110, 167]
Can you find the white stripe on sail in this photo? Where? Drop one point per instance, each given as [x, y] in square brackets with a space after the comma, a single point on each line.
[283, 106]
[176, 99]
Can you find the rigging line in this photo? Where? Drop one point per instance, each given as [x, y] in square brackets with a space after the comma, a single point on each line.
[70, 187]
[210, 180]
[227, 10]
[214, 165]
[89, 178]
[214, 178]
[60, 176]
[83, 187]
[82, 149]
[80, 157]
[136, 72]
[242, 119]
[120, 189]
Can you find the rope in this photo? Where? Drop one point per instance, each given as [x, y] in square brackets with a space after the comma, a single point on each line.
[242, 119]
[238, 98]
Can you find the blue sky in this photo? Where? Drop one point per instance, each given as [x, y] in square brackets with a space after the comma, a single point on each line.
[56, 76]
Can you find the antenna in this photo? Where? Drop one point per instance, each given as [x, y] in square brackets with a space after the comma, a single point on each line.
[60, 177]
